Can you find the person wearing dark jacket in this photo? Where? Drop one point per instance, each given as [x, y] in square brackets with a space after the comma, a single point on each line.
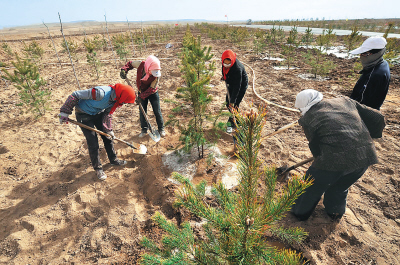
[236, 80]
[340, 132]
[147, 78]
[373, 85]
[94, 107]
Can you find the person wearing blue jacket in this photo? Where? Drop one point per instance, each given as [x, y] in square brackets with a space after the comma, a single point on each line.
[94, 107]
[373, 85]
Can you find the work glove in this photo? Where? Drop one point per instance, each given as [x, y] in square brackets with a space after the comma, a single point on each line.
[111, 135]
[122, 74]
[139, 100]
[63, 117]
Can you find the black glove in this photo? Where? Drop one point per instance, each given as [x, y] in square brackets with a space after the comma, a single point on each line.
[122, 74]
[139, 100]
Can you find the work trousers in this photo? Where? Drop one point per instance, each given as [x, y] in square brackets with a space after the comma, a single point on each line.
[155, 104]
[334, 185]
[96, 121]
[239, 98]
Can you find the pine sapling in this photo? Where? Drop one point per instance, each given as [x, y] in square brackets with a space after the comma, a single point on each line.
[91, 46]
[32, 91]
[292, 38]
[321, 40]
[259, 41]
[330, 38]
[319, 65]
[197, 72]
[188, 38]
[33, 50]
[353, 40]
[273, 35]
[392, 47]
[120, 45]
[235, 229]
[281, 34]
[308, 37]
[70, 46]
[7, 49]
[289, 47]
[1, 75]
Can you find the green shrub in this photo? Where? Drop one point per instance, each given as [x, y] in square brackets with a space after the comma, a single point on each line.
[120, 42]
[308, 37]
[72, 46]
[7, 49]
[318, 64]
[32, 91]
[33, 50]
[353, 40]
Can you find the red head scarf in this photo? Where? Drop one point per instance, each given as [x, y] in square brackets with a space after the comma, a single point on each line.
[125, 94]
[228, 54]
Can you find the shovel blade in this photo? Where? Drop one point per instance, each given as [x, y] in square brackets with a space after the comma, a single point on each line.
[155, 135]
[141, 150]
[138, 148]
[283, 173]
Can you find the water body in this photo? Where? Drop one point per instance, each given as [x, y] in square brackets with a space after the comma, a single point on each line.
[338, 32]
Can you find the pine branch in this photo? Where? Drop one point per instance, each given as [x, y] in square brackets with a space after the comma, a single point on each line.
[289, 235]
[147, 243]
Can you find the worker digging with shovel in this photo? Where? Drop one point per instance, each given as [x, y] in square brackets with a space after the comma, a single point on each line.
[236, 81]
[147, 79]
[340, 132]
[94, 108]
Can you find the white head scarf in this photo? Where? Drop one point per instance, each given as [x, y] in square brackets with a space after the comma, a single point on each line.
[306, 99]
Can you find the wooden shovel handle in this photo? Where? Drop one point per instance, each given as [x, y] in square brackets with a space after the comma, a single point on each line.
[100, 132]
[299, 164]
[284, 128]
[141, 108]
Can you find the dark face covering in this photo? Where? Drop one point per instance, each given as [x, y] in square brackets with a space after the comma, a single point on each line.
[373, 59]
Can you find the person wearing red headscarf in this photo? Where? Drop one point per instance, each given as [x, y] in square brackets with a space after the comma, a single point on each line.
[147, 77]
[236, 80]
[94, 107]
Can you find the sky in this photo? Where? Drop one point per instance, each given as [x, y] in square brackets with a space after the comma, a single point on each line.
[28, 12]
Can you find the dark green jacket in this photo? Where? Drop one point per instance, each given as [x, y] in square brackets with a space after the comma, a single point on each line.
[340, 133]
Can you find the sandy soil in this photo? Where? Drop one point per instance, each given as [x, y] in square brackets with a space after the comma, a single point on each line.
[53, 209]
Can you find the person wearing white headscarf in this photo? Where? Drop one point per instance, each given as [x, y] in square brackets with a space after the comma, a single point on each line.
[340, 132]
[306, 99]
[373, 85]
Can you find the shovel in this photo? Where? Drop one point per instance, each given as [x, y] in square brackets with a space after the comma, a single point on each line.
[137, 148]
[155, 135]
[284, 128]
[283, 172]
[234, 118]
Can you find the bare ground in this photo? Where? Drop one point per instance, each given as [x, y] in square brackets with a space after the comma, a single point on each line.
[53, 210]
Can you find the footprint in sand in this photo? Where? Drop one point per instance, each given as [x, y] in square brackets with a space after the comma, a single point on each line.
[28, 226]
